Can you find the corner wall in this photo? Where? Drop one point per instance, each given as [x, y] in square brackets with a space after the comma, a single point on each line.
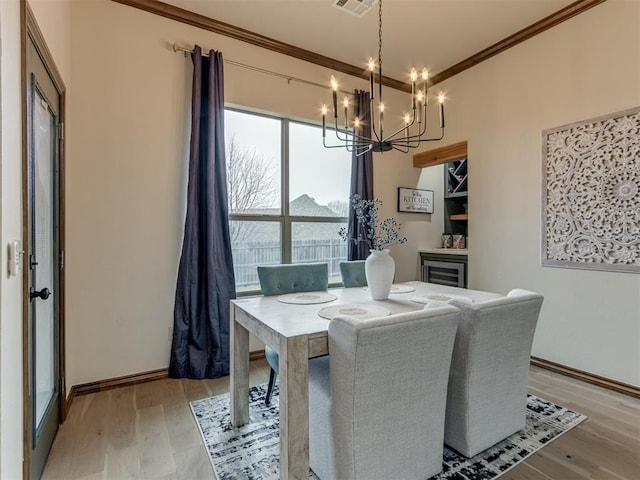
[585, 67]
[10, 229]
[127, 178]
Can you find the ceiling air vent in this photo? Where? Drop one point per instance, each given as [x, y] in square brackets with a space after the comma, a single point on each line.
[355, 7]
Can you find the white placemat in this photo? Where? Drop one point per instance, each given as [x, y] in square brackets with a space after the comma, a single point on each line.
[307, 298]
[398, 288]
[438, 297]
[358, 310]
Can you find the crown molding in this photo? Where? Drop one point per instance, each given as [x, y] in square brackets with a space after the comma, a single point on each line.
[526, 33]
[216, 26]
[206, 23]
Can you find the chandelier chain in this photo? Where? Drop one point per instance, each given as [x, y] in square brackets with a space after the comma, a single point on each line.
[379, 32]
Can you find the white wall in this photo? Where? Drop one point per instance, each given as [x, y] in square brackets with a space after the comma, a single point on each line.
[585, 67]
[127, 181]
[10, 229]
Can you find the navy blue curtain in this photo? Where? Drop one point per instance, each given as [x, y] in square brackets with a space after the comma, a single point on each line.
[206, 283]
[361, 172]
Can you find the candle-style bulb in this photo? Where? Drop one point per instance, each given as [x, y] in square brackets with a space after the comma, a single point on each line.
[372, 64]
[420, 96]
[425, 74]
[441, 100]
[414, 75]
[345, 102]
[356, 122]
[334, 83]
[407, 118]
[324, 110]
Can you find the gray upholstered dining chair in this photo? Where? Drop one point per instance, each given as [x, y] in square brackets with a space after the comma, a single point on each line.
[487, 390]
[363, 428]
[289, 278]
[352, 273]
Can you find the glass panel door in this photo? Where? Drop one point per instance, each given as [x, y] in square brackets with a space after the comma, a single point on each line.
[44, 387]
[42, 263]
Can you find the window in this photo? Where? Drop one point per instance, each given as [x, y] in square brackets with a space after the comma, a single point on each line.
[288, 195]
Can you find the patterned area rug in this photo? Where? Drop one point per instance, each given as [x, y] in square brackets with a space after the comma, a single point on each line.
[251, 452]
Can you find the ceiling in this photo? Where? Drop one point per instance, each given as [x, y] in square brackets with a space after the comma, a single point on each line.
[436, 34]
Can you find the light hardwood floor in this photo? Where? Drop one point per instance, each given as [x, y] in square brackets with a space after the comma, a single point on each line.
[148, 431]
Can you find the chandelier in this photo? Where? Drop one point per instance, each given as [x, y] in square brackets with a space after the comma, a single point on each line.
[409, 135]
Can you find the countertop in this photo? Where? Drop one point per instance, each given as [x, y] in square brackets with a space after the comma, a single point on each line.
[447, 251]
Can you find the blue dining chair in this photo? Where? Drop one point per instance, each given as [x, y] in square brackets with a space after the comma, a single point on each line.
[352, 273]
[289, 278]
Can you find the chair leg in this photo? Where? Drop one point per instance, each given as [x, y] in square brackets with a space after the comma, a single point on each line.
[272, 381]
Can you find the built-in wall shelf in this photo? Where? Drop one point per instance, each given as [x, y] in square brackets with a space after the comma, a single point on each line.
[456, 179]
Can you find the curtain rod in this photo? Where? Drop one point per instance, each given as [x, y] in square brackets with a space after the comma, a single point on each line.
[179, 48]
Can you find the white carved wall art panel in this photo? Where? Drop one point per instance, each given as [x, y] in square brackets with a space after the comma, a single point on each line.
[591, 194]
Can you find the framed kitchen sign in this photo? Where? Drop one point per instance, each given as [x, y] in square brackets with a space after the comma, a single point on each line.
[414, 200]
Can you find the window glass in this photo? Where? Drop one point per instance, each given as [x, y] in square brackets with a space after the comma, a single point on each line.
[319, 242]
[253, 163]
[319, 181]
[319, 177]
[252, 244]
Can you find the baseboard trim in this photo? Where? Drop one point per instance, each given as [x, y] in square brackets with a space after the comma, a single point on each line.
[127, 380]
[603, 382]
[257, 355]
[124, 381]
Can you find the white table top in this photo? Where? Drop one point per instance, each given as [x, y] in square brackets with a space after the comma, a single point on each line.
[290, 320]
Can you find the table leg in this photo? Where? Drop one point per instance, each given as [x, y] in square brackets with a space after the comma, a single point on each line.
[294, 408]
[239, 372]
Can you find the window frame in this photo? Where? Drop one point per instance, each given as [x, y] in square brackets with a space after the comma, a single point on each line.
[284, 218]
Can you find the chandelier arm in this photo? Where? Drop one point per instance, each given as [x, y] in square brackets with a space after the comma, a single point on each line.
[339, 130]
[412, 143]
[342, 139]
[435, 138]
[423, 129]
[403, 149]
[324, 143]
[415, 136]
[372, 118]
[351, 135]
[355, 138]
[361, 138]
[390, 137]
[368, 149]
[364, 142]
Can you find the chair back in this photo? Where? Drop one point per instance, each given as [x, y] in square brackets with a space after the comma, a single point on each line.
[489, 370]
[291, 278]
[388, 383]
[352, 273]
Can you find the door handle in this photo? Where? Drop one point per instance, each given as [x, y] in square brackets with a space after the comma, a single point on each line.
[43, 294]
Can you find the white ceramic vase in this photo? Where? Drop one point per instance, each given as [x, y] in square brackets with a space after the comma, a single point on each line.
[379, 269]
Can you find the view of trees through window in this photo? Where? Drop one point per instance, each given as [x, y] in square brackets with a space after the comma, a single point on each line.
[288, 195]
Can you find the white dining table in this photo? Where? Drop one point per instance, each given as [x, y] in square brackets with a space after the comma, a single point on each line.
[297, 333]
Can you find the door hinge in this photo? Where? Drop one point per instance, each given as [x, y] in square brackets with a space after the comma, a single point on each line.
[61, 131]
